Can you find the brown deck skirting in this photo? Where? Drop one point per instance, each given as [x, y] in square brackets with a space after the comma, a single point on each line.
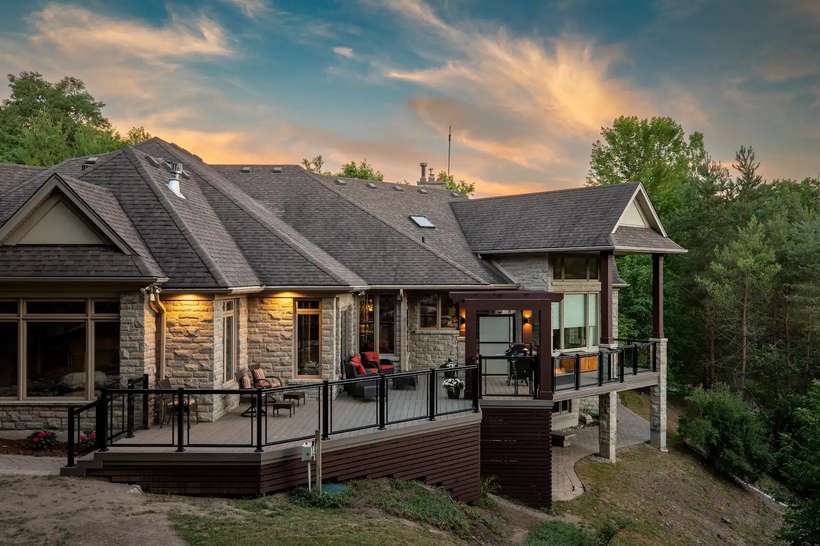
[444, 453]
[516, 450]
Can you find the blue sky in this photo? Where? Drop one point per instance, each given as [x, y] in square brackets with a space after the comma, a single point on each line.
[526, 85]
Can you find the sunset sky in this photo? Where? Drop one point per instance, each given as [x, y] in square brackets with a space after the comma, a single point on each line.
[526, 86]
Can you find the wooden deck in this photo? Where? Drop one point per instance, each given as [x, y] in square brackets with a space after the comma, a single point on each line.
[349, 417]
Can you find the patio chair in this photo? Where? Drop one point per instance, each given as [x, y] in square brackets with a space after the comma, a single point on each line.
[355, 368]
[260, 380]
[371, 359]
[168, 404]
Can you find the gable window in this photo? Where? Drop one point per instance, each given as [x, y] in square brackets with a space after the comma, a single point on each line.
[377, 323]
[575, 322]
[230, 329]
[574, 267]
[71, 348]
[308, 329]
[438, 311]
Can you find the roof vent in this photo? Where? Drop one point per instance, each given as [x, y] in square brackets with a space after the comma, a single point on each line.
[173, 182]
[153, 161]
[245, 169]
[398, 188]
[341, 182]
[276, 170]
[424, 190]
[371, 185]
[89, 161]
[456, 194]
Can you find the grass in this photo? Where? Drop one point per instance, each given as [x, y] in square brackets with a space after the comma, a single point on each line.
[558, 533]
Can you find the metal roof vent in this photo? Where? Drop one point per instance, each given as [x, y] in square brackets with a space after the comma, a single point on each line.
[424, 190]
[89, 161]
[173, 182]
[340, 182]
[398, 188]
[245, 169]
[371, 185]
[456, 194]
[276, 170]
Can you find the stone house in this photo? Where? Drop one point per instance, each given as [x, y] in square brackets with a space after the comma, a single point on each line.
[149, 262]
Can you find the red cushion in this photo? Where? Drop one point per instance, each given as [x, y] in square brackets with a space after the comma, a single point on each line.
[383, 366]
[359, 368]
[371, 356]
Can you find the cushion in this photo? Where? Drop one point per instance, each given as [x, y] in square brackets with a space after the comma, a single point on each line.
[275, 382]
[247, 383]
[264, 383]
[371, 356]
[258, 374]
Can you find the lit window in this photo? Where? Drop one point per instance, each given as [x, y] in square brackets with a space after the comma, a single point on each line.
[575, 322]
[377, 323]
[574, 266]
[308, 330]
[422, 222]
[230, 327]
[438, 311]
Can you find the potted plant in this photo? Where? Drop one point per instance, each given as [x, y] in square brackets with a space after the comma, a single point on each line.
[454, 386]
[447, 365]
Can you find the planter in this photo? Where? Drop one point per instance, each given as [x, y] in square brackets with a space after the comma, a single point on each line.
[454, 394]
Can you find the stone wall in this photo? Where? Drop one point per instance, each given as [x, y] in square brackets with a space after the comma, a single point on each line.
[430, 347]
[531, 271]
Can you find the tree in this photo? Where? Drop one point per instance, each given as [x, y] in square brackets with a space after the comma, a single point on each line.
[463, 187]
[315, 165]
[363, 170]
[746, 164]
[42, 123]
[136, 135]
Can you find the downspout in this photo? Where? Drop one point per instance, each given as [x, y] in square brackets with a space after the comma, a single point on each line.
[159, 310]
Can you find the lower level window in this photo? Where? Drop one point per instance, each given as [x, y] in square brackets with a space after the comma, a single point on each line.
[308, 329]
[564, 406]
[8, 359]
[56, 359]
[438, 311]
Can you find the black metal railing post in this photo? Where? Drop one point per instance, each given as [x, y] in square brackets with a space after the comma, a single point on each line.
[654, 348]
[101, 424]
[476, 389]
[600, 368]
[145, 401]
[577, 371]
[259, 407]
[635, 359]
[180, 418]
[325, 409]
[70, 444]
[431, 395]
[382, 401]
[621, 358]
[129, 430]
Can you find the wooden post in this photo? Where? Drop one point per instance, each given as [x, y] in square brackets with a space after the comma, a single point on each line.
[545, 366]
[471, 346]
[317, 444]
[657, 296]
[606, 270]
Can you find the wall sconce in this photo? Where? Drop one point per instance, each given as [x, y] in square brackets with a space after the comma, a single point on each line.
[526, 314]
[526, 321]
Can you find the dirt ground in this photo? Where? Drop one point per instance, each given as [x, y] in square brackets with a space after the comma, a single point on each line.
[56, 510]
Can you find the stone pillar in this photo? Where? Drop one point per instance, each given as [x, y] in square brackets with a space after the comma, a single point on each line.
[657, 400]
[608, 425]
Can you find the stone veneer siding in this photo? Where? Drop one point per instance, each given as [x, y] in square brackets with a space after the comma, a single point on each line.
[430, 347]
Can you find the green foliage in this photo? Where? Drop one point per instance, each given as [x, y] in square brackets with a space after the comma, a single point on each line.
[558, 533]
[43, 123]
[363, 170]
[802, 523]
[314, 499]
[315, 165]
[728, 433]
[462, 186]
[42, 440]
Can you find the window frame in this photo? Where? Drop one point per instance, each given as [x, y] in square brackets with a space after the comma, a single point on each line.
[296, 313]
[559, 271]
[232, 314]
[591, 341]
[377, 322]
[89, 318]
[439, 307]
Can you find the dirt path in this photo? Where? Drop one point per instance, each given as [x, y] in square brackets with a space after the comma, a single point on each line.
[55, 510]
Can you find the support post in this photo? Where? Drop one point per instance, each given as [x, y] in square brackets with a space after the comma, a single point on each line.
[657, 401]
[325, 409]
[432, 392]
[70, 443]
[546, 368]
[382, 402]
[180, 419]
[577, 371]
[102, 421]
[129, 430]
[600, 368]
[607, 425]
[259, 407]
[476, 389]
[657, 296]
[606, 271]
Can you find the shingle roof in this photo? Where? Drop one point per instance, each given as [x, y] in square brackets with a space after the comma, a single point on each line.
[40, 261]
[626, 237]
[13, 175]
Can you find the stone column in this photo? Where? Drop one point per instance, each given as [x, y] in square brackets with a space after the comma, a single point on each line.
[657, 400]
[608, 425]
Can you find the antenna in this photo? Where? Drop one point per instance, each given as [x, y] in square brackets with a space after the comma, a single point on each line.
[449, 140]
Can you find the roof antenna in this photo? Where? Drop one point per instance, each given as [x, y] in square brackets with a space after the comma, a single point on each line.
[449, 140]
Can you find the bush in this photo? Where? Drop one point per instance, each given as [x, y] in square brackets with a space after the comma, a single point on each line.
[87, 441]
[313, 499]
[802, 523]
[558, 533]
[42, 440]
[729, 434]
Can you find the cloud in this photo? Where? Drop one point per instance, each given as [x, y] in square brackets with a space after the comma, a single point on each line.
[251, 8]
[346, 52]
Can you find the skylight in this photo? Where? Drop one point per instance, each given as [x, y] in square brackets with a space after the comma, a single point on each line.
[422, 221]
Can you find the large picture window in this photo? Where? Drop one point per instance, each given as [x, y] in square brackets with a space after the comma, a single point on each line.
[574, 267]
[438, 311]
[308, 338]
[377, 323]
[71, 349]
[575, 322]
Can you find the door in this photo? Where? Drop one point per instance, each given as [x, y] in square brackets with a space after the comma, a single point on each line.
[496, 334]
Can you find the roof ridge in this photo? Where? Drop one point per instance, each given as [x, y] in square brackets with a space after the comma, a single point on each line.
[199, 249]
[288, 239]
[398, 230]
[546, 192]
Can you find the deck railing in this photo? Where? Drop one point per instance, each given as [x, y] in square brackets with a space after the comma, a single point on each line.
[506, 376]
[115, 412]
[608, 365]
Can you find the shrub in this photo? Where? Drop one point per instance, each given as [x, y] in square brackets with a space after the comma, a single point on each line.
[314, 499]
[88, 441]
[802, 523]
[729, 434]
[558, 533]
[41, 440]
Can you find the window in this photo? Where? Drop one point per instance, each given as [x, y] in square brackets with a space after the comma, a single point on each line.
[423, 222]
[574, 266]
[377, 323]
[71, 349]
[308, 338]
[230, 328]
[438, 311]
[575, 322]
[564, 406]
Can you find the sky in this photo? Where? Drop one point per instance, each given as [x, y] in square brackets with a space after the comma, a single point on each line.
[526, 86]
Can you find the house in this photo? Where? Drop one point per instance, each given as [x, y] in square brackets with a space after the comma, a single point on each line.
[149, 263]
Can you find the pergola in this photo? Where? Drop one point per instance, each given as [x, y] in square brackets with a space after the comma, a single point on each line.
[539, 302]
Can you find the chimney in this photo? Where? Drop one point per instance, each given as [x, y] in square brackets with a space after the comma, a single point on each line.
[173, 182]
[423, 178]
[428, 177]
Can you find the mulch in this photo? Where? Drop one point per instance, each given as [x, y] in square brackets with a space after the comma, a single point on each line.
[22, 447]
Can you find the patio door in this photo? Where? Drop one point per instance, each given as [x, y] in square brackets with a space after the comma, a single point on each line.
[496, 334]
